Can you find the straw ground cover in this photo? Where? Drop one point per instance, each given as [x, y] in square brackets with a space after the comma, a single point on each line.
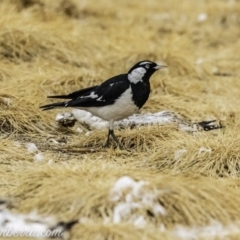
[55, 47]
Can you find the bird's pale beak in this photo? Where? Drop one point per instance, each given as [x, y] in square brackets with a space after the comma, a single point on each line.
[160, 67]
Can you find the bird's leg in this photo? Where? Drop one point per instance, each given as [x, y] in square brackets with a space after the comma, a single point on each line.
[111, 132]
[108, 139]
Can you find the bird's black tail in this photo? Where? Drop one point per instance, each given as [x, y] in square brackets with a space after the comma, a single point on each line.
[53, 105]
[59, 96]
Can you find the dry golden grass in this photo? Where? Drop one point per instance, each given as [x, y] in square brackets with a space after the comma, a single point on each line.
[54, 47]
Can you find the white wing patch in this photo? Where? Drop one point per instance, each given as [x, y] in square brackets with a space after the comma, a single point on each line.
[100, 99]
[91, 95]
[136, 75]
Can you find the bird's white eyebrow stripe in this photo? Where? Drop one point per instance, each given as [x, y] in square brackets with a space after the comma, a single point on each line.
[144, 63]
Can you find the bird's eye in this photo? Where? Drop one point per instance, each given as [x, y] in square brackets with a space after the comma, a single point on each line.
[147, 66]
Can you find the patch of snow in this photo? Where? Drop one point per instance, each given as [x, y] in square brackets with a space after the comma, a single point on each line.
[53, 141]
[161, 118]
[88, 133]
[139, 222]
[31, 148]
[187, 127]
[199, 61]
[215, 70]
[64, 116]
[159, 209]
[162, 228]
[30, 225]
[11, 223]
[84, 220]
[121, 210]
[50, 162]
[65, 119]
[128, 196]
[79, 130]
[179, 153]
[120, 185]
[204, 150]
[38, 157]
[214, 230]
[17, 144]
[6, 101]
[202, 17]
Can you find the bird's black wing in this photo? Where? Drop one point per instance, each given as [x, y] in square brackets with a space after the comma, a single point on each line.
[75, 94]
[105, 94]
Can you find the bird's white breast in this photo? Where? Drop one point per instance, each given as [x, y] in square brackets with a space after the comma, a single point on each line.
[122, 108]
[136, 75]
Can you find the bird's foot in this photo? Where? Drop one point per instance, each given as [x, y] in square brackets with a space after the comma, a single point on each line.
[106, 144]
[111, 133]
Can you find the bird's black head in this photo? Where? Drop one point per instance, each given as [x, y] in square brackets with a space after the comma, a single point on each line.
[142, 71]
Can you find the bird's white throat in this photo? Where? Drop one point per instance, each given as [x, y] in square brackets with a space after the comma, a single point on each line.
[136, 75]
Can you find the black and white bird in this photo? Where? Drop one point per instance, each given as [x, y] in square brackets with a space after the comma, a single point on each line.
[116, 98]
